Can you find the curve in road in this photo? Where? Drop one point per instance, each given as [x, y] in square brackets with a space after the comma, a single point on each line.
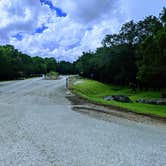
[39, 128]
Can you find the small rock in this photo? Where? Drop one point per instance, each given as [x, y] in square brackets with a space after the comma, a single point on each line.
[121, 98]
[152, 101]
[140, 101]
[108, 98]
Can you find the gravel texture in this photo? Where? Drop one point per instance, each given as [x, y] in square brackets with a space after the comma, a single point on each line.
[39, 128]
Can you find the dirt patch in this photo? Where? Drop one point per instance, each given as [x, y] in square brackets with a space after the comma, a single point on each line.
[76, 100]
[107, 112]
[85, 106]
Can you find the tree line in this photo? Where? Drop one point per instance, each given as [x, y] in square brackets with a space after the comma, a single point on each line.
[135, 55]
[14, 64]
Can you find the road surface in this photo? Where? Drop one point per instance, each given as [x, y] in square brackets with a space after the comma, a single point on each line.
[39, 128]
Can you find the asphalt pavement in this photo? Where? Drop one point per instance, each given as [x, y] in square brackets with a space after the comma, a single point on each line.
[39, 128]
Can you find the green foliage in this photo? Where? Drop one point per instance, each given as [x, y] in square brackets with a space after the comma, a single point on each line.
[52, 73]
[137, 55]
[14, 64]
[64, 67]
[152, 65]
[95, 91]
[115, 64]
[163, 16]
[51, 64]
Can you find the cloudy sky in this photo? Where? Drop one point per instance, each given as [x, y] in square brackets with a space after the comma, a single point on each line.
[64, 28]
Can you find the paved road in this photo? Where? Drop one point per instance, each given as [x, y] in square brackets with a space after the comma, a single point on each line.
[39, 128]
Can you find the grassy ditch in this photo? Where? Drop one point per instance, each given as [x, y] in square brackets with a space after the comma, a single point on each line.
[95, 91]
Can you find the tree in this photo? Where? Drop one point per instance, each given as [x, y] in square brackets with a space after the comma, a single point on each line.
[163, 16]
[137, 54]
[128, 33]
[51, 64]
[152, 70]
[84, 64]
[39, 65]
[64, 67]
[147, 27]
[14, 64]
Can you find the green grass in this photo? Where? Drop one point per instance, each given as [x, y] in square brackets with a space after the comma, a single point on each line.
[52, 74]
[95, 91]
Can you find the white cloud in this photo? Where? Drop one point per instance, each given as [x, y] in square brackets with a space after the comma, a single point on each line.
[91, 11]
[84, 27]
[19, 16]
[66, 37]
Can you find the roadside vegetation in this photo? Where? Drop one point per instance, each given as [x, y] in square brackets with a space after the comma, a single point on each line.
[135, 56]
[52, 75]
[15, 65]
[96, 91]
[130, 63]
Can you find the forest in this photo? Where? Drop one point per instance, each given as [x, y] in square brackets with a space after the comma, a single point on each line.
[136, 55]
[14, 64]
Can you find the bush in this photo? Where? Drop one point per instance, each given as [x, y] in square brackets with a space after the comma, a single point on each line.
[52, 75]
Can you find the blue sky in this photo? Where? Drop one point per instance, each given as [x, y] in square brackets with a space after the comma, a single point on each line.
[65, 28]
[58, 11]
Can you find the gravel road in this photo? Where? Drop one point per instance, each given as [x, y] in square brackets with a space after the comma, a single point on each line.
[39, 128]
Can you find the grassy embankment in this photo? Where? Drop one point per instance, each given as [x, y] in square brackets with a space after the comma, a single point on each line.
[95, 91]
